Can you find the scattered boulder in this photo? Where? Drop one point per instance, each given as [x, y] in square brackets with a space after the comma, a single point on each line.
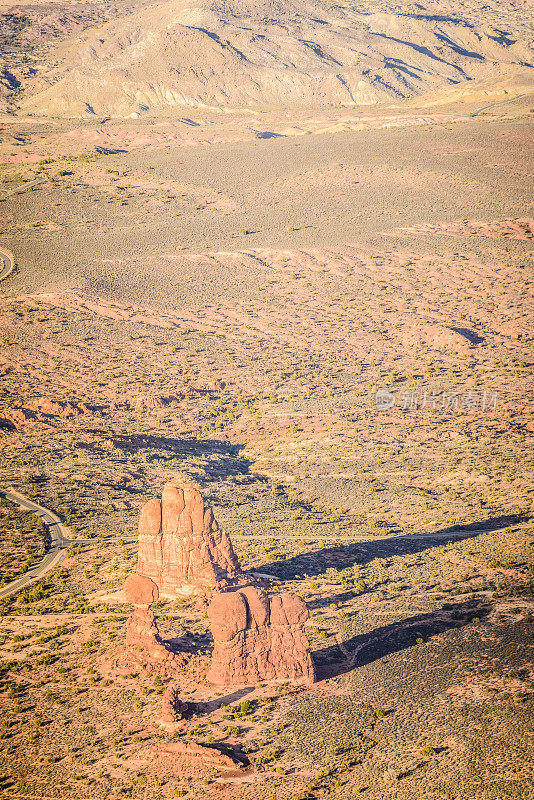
[181, 547]
[257, 638]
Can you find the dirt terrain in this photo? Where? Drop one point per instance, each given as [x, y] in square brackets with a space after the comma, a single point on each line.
[135, 59]
[319, 311]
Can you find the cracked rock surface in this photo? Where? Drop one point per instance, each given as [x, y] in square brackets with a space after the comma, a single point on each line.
[259, 638]
[181, 547]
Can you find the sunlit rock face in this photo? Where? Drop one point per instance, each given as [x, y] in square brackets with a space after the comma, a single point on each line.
[181, 547]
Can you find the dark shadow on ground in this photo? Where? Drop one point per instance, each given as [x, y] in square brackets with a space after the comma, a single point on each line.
[219, 460]
[471, 336]
[367, 647]
[199, 709]
[343, 556]
[268, 135]
[234, 752]
[342, 597]
[108, 151]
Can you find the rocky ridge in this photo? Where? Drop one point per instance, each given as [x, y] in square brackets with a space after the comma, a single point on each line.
[272, 54]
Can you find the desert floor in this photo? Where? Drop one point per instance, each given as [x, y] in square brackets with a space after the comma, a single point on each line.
[223, 296]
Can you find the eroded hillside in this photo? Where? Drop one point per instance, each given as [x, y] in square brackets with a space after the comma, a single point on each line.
[143, 58]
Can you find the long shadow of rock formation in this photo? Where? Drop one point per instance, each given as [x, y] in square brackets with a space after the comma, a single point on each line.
[367, 647]
[219, 459]
[200, 709]
[346, 555]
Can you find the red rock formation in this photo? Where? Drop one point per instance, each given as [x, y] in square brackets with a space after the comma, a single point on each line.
[52, 408]
[172, 709]
[140, 590]
[259, 639]
[209, 754]
[20, 418]
[148, 402]
[38, 411]
[180, 545]
[142, 633]
[141, 629]
[143, 652]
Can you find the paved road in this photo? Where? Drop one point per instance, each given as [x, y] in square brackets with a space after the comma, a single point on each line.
[8, 263]
[59, 544]
[498, 103]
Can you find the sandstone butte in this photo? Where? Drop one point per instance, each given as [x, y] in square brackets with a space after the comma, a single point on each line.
[257, 638]
[181, 547]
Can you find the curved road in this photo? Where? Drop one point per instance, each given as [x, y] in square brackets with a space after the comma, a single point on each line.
[59, 543]
[8, 263]
[479, 111]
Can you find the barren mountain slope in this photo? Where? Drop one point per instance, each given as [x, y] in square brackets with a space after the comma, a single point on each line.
[28, 28]
[252, 54]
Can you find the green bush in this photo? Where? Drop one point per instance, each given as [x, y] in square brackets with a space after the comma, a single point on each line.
[427, 752]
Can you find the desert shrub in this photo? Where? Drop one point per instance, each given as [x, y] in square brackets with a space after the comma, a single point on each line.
[427, 752]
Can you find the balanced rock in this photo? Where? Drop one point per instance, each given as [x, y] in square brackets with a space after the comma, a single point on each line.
[181, 547]
[140, 590]
[257, 638]
[141, 628]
